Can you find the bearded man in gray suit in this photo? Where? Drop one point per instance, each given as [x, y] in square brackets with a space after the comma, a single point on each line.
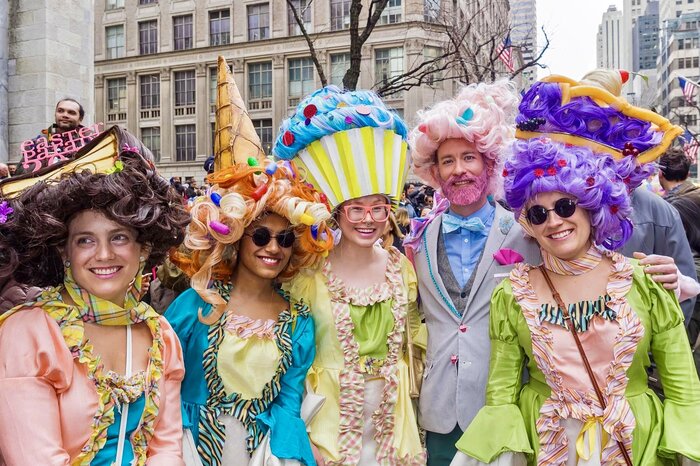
[463, 249]
[457, 148]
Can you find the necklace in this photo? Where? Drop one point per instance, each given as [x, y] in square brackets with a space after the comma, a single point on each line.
[578, 266]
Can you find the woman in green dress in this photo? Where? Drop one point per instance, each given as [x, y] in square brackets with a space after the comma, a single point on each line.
[587, 401]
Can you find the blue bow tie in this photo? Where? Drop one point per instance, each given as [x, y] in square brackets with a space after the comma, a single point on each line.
[452, 223]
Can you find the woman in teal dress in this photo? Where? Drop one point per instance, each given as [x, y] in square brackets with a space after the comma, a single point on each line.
[576, 202]
[247, 346]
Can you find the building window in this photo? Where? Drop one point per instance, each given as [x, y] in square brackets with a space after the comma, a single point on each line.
[116, 99]
[115, 41]
[431, 10]
[185, 143]
[301, 79]
[430, 55]
[219, 27]
[264, 130]
[182, 32]
[303, 8]
[151, 139]
[213, 81]
[392, 13]
[184, 91]
[147, 2]
[259, 21]
[114, 4]
[259, 85]
[148, 37]
[340, 62]
[387, 64]
[149, 92]
[340, 14]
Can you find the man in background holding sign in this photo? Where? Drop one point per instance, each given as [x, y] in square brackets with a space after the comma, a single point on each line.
[60, 140]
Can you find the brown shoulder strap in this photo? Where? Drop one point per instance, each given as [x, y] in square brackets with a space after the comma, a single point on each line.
[587, 365]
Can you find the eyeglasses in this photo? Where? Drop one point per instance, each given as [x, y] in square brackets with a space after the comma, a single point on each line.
[564, 208]
[262, 236]
[356, 213]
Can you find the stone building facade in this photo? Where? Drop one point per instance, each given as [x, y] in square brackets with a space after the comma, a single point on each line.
[155, 62]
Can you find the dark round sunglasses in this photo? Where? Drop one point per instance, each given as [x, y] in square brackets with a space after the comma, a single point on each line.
[564, 208]
[262, 236]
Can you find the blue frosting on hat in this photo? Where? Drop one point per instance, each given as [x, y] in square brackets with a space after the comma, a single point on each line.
[330, 110]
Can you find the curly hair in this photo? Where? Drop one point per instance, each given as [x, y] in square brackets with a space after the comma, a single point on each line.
[601, 184]
[137, 197]
[490, 128]
[239, 196]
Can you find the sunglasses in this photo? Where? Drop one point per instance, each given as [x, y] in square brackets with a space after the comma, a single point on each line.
[262, 236]
[564, 208]
[356, 213]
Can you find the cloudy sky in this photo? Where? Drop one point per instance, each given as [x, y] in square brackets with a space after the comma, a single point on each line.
[571, 26]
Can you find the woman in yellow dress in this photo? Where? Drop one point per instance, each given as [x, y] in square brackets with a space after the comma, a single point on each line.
[353, 149]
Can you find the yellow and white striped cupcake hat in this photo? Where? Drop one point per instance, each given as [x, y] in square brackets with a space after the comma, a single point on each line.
[349, 144]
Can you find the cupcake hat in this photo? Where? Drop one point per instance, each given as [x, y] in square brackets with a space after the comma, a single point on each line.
[348, 143]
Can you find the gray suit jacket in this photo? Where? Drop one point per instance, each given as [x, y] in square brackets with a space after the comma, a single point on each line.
[452, 393]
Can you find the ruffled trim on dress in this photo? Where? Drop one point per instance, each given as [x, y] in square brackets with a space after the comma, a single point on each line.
[212, 433]
[111, 388]
[245, 327]
[617, 419]
[351, 377]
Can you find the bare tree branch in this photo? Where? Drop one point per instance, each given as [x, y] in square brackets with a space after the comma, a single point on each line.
[309, 41]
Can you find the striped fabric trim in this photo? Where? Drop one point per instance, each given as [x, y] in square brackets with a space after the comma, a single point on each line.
[566, 402]
[580, 313]
[212, 433]
[352, 375]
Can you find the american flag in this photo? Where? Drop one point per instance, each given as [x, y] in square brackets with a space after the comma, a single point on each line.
[505, 53]
[689, 89]
[690, 149]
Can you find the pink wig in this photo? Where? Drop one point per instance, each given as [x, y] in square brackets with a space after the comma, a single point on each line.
[490, 128]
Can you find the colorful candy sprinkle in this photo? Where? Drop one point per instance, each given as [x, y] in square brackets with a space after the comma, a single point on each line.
[314, 231]
[271, 168]
[310, 110]
[215, 198]
[288, 138]
[252, 162]
[348, 120]
[363, 110]
[260, 192]
[219, 227]
[306, 219]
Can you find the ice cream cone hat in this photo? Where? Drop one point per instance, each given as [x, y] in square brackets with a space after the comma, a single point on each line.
[235, 138]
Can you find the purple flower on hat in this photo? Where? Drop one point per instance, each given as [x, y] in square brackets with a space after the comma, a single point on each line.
[5, 210]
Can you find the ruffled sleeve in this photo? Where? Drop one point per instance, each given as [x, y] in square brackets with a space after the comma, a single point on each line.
[165, 448]
[182, 315]
[501, 413]
[419, 331]
[35, 366]
[288, 436]
[671, 351]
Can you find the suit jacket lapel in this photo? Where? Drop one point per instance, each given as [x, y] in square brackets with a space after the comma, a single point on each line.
[493, 243]
[431, 239]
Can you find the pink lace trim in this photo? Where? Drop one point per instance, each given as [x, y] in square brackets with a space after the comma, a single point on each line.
[564, 402]
[352, 378]
[245, 327]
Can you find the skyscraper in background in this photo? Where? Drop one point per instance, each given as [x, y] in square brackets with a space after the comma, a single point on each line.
[611, 40]
[523, 20]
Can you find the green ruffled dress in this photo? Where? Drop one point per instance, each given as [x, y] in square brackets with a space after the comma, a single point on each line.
[526, 418]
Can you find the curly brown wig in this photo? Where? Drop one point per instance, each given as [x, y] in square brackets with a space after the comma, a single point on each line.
[135, 196]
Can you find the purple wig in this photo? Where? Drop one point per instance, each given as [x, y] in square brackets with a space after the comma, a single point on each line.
[601, 184]
[542, 111]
